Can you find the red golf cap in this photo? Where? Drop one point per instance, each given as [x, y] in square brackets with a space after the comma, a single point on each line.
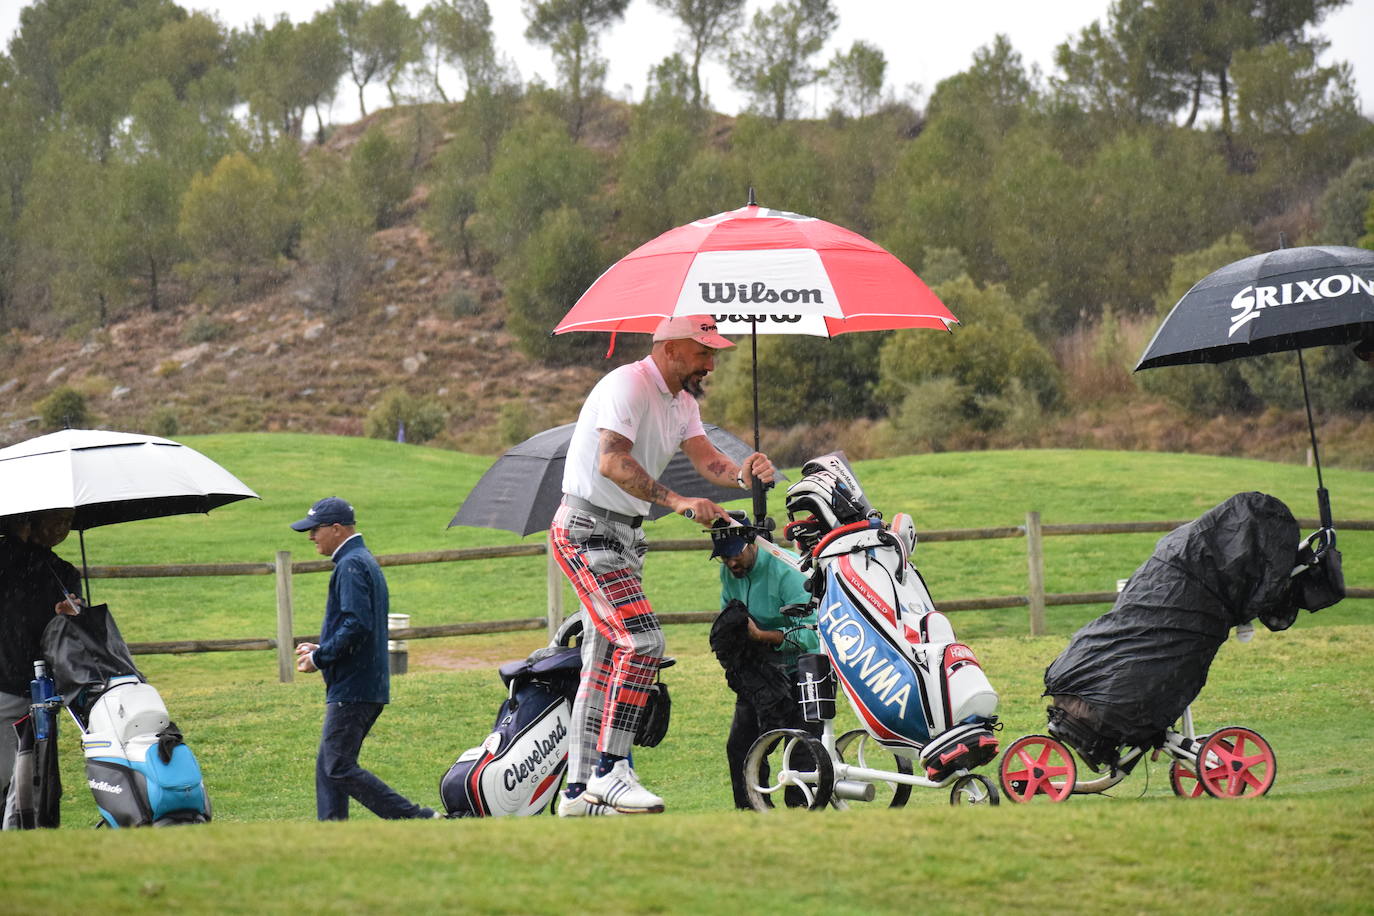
[701, 328]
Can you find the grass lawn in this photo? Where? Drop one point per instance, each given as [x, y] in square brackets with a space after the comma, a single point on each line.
[1304, 847]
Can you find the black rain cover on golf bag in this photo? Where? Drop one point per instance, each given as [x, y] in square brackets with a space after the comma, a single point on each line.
[516, 770]
[84, 652]
[1138, 666]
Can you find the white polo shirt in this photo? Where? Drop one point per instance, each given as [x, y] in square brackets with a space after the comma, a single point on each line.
[634, 401]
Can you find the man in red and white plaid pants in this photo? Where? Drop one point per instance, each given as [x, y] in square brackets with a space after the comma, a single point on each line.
[631, 424]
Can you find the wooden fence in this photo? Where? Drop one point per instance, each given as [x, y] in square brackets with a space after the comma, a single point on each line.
[283, 569]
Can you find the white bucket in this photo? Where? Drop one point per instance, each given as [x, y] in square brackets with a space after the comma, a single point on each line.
[398, 651]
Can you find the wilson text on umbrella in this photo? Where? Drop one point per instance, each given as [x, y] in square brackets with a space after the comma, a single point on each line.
[756, 292]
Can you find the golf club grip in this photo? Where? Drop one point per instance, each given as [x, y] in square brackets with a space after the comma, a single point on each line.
[760, 500]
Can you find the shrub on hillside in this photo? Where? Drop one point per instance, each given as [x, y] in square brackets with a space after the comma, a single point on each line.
[990, 357]
[928, 414]
[203, 329]
[235, 217]
[422, 418]
[63, 409]
[1201, 389]
[801, 379]
[379, 170]
[544, 278]
[537, 170]
[164, 422]
[338, 228]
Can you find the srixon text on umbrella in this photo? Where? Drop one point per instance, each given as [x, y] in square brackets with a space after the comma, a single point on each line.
[1251, 299]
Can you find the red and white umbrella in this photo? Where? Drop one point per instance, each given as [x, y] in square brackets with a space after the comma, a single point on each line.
[763, 271]
[759, 271]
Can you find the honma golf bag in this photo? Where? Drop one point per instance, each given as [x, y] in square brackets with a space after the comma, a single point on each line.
[137, 765]
[1127, 676]
[517, 770]
[916, 689]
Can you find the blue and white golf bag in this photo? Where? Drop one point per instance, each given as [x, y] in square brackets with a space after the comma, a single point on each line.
[916, 689]
[138, 767]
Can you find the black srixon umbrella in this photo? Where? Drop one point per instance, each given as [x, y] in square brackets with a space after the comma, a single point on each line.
[1288, 299]
[522, 490]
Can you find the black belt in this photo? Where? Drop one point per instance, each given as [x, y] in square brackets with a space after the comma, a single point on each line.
[577, 502]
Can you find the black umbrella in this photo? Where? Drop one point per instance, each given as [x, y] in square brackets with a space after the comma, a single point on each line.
[1312, 296]
[521, 491]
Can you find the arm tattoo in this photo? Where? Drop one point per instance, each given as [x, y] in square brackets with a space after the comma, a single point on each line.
[620, 466]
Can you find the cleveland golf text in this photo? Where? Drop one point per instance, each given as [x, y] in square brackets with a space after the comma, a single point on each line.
[1251, 299]
[544, 749]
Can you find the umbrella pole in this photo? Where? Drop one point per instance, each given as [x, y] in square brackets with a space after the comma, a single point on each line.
[85, 574]
[760, 498]
[1323, 497]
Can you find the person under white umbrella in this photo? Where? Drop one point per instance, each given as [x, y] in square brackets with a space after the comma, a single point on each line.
[35, 584]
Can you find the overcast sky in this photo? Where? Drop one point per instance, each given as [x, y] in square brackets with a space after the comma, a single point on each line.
[924, 40]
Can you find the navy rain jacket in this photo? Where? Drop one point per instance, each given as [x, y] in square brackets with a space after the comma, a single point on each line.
[352, 656]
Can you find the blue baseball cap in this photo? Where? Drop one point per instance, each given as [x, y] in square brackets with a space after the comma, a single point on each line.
[728, 540]
[727, 545]
[329, 511]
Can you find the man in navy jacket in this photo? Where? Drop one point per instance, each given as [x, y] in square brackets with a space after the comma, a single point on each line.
[352, 658]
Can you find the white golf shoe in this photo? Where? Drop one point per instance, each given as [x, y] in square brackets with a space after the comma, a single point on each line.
[620, 789]
[581, 807]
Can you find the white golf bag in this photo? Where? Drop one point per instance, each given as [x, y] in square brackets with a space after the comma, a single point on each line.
[137, 766]
[916, 689]
[139, 769]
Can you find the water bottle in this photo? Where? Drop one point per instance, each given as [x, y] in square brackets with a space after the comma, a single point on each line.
[41, 689]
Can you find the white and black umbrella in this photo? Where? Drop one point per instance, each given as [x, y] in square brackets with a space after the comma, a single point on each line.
[107, 477]
[1288, 299]
[522, 490]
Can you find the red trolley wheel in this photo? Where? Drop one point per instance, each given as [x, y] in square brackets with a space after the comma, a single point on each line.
[1037, 765]
[1184, 780]
[1235, 762]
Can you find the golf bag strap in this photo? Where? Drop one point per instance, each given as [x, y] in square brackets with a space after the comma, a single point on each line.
[841, 531]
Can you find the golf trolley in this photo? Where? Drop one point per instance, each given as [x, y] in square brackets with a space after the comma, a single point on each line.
[921, 696]
[815, 771]
[1124, 685]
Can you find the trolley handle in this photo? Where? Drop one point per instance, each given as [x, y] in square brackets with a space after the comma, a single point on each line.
[1313, 548]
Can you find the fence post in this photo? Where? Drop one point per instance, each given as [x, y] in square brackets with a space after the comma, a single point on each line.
[554, 586]
[1035, 560]
[286, 640]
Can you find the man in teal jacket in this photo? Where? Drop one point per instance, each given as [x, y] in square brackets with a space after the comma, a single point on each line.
[352, 657]
[757, 645]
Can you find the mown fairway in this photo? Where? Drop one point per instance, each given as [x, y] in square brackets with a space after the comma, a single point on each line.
[1305, 847]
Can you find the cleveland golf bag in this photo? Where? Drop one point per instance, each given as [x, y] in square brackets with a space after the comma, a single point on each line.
[519, 766]
[517, 770]
[137, 765]
[917, 690]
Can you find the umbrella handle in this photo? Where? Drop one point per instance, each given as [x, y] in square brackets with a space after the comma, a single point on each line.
[760, 501]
